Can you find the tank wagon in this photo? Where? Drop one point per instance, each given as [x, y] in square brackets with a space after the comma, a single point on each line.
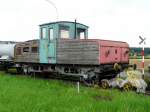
[7, 53]
[64, 48]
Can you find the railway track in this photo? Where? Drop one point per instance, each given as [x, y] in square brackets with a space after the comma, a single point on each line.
[70, 79]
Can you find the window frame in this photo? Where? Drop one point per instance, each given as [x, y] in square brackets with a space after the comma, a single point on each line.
[42, 34]
[65, 28]
[19, 51]
[26, 51]
[49, 34]
[81, 31]
[34, 51]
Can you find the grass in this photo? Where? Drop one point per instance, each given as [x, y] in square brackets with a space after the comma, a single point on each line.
[24, 94]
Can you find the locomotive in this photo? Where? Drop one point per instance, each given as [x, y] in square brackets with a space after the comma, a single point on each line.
[64, 48]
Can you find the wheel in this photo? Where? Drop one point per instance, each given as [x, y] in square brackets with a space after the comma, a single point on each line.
[117, 67]
[19, 70]
[104, 84]
[127, 87]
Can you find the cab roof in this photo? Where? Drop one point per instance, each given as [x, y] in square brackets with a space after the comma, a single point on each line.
[59, 22]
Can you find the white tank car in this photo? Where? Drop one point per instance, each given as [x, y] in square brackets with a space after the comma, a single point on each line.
[7, 50]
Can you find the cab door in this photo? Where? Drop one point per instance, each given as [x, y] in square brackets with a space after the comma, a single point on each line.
[51, 46]
[43, 50]
[47, 46]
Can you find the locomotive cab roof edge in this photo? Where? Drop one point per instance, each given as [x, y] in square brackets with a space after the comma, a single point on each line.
[63, 22]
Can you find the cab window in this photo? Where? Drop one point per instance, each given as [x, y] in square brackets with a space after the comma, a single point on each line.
[64, 32]
[26, 49]
[43, 33]
[18, 51]
[51, 35]
[81, 33]
[34, 49]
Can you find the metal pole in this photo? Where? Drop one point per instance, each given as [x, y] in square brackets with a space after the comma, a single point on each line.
[52, 3]
[78, 87]
[75, 28]
[143, 60]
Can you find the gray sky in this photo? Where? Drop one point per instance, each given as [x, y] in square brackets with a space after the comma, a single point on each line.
[122, 20]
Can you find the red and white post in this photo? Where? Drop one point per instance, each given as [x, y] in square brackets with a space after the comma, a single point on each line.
[142, 42]
[143, 60]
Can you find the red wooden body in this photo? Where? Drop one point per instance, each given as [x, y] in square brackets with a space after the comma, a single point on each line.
[113, 52]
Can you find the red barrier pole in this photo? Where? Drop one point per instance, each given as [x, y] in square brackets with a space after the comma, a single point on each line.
[143, 60]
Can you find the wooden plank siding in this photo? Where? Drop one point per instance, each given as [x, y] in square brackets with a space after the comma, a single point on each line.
[77, 52]
[27, 57]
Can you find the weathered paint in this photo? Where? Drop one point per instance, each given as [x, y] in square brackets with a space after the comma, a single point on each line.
[124, 54]
[26, 57]
[47, 50]
[48, 47]
[92, 52]
[79, 51]
[43, 51]
[71, 25]
[52, 52]
[113, 52]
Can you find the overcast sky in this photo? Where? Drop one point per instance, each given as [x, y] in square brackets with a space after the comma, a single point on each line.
[122, 20]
